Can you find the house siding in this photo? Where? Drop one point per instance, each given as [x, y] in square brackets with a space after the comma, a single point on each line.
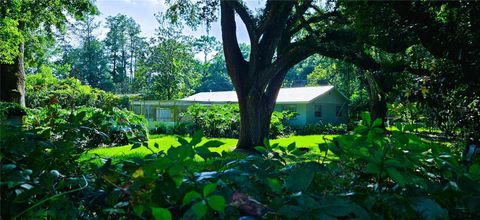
[301, 109]
[328, 102]
[155, 111]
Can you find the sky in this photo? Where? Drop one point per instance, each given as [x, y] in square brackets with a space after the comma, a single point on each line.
[142, 11]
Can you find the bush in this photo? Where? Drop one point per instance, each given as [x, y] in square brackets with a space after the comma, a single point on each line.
[279, 123]
[373, 176]
[215, 120]
[8, 109]
[224, 121]
[161, 128]
[43, 89]
[322, 129]
[88, 127]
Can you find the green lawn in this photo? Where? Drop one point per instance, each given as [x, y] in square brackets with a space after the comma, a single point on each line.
[165, 142]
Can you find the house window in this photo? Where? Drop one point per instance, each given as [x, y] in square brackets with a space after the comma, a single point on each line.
[164, 114]
[318, 111]
[291, 108]
[150, 112]
[137, 109]
[338, 111]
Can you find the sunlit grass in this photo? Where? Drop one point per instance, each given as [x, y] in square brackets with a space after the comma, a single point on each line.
[166, 141]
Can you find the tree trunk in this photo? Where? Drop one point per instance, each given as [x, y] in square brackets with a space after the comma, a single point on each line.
[258, 80]
[114, 72]
[378, 104]
[255, 115]
[13, 80]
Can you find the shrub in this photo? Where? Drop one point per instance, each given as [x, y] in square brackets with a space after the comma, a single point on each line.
[8, 109]
[374, 175]
[38, 175]
[88, 127]
[322, 129]
[224, 120]
[43, 89]
[215, 120]
[180, 128]
[279, 123]
[161, 128]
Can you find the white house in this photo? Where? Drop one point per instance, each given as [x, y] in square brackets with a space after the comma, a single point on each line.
[320, 104]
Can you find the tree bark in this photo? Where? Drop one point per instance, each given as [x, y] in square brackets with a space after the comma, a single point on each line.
[378, 104]
[258, 80]
[254, 116]
[13, 79]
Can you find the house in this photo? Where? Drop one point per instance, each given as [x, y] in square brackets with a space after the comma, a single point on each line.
[320, 104]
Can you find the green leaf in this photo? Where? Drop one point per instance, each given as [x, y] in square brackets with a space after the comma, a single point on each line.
[209, 189]
[323, 147]
[291, 211]
[190, 197]
[182, 141]
[372, 168]
[138, 210]
[298, 152]
[196, 138]
[213, 144]
[216, 202]
[274, 146]
[360, 129]
[291, 146]
[475, 169]
[366, 117]
[161, 214]
[299, 179]
[396, 176]
[377, 123]
[176, 173]
[342, 208]
[200, 209]
[274, 185]
[136, 145]
[266, 143]
[428, 209]
[261, 149]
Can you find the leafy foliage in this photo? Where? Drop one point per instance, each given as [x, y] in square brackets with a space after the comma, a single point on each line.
[376, 175]
[88, 127]
[43, 89]
[224, 120]
[322, 129]
[8, 109]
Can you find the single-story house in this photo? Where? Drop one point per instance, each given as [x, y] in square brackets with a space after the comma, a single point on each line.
[319, 104]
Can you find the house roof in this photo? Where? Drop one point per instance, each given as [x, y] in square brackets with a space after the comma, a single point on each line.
[286, 95]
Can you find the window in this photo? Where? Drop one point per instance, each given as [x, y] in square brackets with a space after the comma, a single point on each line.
[338, 111]
[150, 112]
[137, 109]
[164, 114]
[292, 108]
[318, 111]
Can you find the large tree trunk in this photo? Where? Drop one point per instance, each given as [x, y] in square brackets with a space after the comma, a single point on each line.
[258, 80]
[13, 80]
[378, 104]
[255, 115]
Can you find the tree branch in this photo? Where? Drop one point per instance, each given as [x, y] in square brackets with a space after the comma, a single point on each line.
[247, 19]
[235, 62]
[273, 26]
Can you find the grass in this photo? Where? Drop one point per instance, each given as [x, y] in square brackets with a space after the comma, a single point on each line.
[166, 141]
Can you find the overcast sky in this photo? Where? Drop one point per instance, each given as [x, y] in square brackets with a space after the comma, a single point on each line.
[142, 11]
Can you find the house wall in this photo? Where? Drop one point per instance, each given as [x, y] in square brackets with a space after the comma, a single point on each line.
[301, 109]
[306, 111]
[151, 110]
[328, 103]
